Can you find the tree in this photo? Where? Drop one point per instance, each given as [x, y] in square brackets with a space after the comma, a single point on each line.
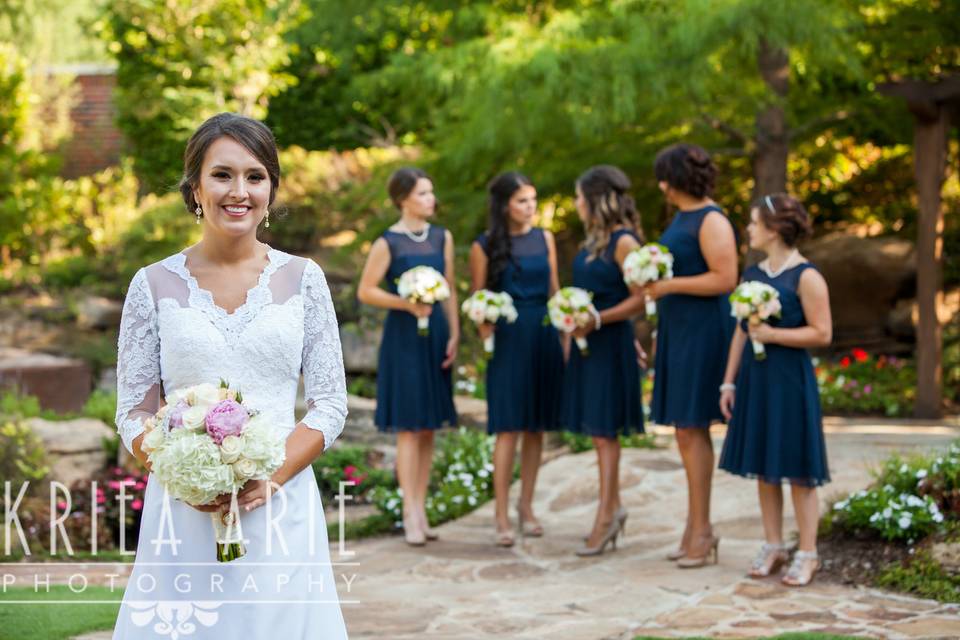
[182, 61]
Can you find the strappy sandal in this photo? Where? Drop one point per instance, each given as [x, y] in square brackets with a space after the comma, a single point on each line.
[768, 560]
[795, 574]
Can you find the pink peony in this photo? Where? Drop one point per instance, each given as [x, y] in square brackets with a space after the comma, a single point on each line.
[226, 418]
[176, 414]
[137, 505]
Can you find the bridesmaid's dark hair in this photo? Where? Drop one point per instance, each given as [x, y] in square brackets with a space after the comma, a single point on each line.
[401, 183]
[606, 190]
[499, 255]
[687, 168]
[255, 137]
[785, 215]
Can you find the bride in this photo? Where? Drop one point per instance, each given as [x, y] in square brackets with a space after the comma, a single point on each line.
[232, 308]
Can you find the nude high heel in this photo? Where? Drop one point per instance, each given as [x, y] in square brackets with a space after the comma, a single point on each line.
[712, 554]
[615, 530]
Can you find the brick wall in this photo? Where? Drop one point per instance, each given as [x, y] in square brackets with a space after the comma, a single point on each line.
[96, 142]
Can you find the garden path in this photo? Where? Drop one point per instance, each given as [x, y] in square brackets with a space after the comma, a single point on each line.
[465, 588]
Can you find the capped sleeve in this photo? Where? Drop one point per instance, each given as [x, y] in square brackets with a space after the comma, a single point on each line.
[323, 376]
[138, 361]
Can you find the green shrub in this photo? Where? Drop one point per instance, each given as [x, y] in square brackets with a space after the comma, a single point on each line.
[350, 463]
[923, 576]
[22, 456]
[860, 383]
[101, 405]
[579, 443]
[910, 499]
[460, 481]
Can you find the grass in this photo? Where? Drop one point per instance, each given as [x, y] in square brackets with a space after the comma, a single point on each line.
[784, 636]
[21, 621]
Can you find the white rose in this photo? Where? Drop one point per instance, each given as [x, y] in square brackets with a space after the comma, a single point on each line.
[244, 468]
[205, 395]
[152, 440]
[193, 418]
[230, 449]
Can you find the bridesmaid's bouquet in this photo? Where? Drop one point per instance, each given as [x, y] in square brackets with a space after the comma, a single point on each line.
[569, 309]
[647, 264]
[489, 306]
[205, 443]
[423, 285]
[755, 302]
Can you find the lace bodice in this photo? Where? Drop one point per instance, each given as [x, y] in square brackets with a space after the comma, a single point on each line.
[173, 335]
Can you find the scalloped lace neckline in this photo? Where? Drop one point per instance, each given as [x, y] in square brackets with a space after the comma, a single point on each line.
[232, 322]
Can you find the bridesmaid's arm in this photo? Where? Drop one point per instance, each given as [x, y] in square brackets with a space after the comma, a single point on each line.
[478, 267]
[375, 269]
[629, 306]
[632, 305]
[818, 332]
[450, 304]
[478, 280]
[719, 247]
[552, 259]
[733, 366]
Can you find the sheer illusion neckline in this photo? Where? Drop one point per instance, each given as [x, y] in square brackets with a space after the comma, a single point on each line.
[259, 293]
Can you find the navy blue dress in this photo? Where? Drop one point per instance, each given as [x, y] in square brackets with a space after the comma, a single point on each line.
[525, 374]
[602, 390]
[413, 391]
[776, 432]
[693, 336]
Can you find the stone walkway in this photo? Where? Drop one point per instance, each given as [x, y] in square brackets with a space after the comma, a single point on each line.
[462, 587]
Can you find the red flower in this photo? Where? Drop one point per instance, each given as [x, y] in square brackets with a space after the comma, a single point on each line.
[845, 362]
[860, 355]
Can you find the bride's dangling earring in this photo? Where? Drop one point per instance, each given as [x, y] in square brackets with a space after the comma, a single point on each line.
[199, 213]
[266, 224]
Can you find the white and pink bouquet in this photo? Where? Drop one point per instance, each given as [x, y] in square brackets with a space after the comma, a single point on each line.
[489, 306]
[423, 285]
[205, 443]
[647, 264]
[571, 308]
[755, 302]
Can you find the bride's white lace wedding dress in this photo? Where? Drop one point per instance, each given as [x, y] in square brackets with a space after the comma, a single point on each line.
[173, 335]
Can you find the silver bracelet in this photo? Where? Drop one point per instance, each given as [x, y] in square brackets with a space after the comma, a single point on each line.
[596, 320]
[728, 386]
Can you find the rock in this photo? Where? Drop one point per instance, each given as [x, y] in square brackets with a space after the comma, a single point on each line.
[60, 384]
[74, 447]
[886, 267]
[360, 348]
[947, 555]
[96, 312]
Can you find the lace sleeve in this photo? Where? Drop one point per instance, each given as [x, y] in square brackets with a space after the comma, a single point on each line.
[138, 361]
[323, 377]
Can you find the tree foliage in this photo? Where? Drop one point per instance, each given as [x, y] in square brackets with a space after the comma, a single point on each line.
[181, 61]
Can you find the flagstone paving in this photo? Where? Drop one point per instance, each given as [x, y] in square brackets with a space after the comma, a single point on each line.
[463, 587]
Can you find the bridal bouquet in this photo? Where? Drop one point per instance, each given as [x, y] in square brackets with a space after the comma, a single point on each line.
[647, 264]
[569, 309]
[755, 302]
[205, 443]
[489, 306]
[423, 285]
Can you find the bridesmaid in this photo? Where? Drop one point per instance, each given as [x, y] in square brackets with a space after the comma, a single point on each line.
[776, 432]
[525, 373]
[414, 391]
[693, 331]
[601, 396]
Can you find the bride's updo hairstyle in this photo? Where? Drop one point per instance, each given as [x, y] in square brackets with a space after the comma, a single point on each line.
[252, 134]
[687, 168]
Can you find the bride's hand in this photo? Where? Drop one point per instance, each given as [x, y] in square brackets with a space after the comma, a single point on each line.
[254, 493]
